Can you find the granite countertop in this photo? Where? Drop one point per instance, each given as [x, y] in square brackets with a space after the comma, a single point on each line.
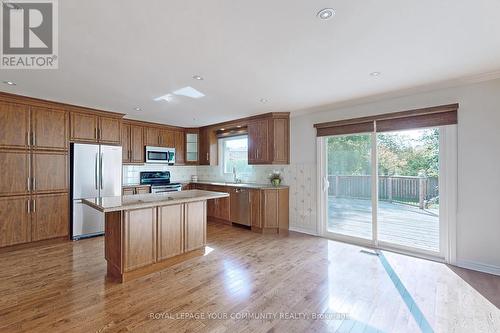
[118, 203]
[240, 185]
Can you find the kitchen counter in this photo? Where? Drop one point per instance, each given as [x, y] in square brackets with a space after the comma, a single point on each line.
[240, 185]
[145, 233]
[118, 203]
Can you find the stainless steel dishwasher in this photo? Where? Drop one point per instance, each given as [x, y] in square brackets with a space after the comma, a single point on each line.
[239, 210]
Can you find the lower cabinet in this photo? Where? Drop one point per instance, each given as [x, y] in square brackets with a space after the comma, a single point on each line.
[15, 225]
[131, 190]
[49, 216]
[139, 238]
[195, 225]
[154, 234]
[170, 231]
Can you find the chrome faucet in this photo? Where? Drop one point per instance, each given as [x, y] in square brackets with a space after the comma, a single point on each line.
[235, 178]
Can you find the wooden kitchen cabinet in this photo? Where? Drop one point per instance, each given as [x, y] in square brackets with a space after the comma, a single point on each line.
[258, 142]
[50, 213]
[50, 128]
[15, 224]
[180, 150]
[49, 172]
[269, 140]
[84, 127]
[140, 238]
[195, 225]
[132, 143]
[274, 212]
[152, 136]
[131, 190]
[167, 138]
[254, 209]
[15, 168]
[89, 127]
[170, 231]
[204, 147]
[14, 125]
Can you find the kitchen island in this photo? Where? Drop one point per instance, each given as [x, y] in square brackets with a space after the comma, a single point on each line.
[148, 232]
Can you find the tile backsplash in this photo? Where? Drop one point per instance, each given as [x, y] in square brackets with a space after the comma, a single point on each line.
[300, 177]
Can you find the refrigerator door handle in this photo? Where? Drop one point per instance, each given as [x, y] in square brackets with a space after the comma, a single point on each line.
[95, 172]
[100, 171]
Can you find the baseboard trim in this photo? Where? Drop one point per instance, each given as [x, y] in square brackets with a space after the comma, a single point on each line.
[477, 266]
[303, 231]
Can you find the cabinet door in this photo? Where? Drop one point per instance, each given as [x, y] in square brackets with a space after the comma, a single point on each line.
[270, 203]
[126, 149]
[180, 143]
[109, 130]
[167, 138]
[50, 128]
[15, 172]
[50, 216]
[195, 225]
[142, 190]
[170, 231]
[49, 172]
[152, 136]
[128, 191]
[204, 145]
[254, 211]
[15, 221]
[223, 206]
[14, 125]
[258, 142]
[83, 127]
[137, 144]
[140, 238]
[280, 141]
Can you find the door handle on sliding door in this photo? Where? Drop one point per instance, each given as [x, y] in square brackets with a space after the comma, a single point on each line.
[326, 184]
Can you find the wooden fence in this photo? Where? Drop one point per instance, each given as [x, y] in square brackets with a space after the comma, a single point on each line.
[418, 191]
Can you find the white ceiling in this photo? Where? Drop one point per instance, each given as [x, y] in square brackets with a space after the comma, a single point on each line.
[116, 55]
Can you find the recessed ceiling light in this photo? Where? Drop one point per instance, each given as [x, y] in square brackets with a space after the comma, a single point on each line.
[197, 77]
[325, 14]
[137, 108]
[10, 83]
[375, 74]
[263, 100]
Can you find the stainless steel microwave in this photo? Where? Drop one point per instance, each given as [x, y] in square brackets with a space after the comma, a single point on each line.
[160, 155]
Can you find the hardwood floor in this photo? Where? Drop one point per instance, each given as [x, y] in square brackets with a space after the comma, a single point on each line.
[61, 287]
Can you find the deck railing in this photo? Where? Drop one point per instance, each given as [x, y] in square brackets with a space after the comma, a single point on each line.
[418, 191]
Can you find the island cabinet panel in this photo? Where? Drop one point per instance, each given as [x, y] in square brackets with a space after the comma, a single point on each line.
[50, 128]
[14, 125]
[50, 216]
[170, 231]
[15, 225]
[139, 238]
[195, 225]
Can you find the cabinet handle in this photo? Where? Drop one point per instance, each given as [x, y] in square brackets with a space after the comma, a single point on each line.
[34, 205]
[95, 133]
[257, 152]
[159, 139]
[34, 183]
[28, 206]
[33, 138]
[28, 184]
[28, 138]
[208, 158]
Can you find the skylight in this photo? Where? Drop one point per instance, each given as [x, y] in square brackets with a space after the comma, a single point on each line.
[189, 92]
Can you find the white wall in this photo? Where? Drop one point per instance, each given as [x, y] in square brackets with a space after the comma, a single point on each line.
[478, 216]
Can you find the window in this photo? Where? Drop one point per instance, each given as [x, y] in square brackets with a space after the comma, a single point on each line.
[235, 155]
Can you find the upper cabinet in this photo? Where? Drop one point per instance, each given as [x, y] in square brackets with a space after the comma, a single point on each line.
[167, 138]
[269, 140]
[152, 136]
[207, 146]
[180, 144]
[14, 125]
[192, 146]
[89, 127]
[132, 143]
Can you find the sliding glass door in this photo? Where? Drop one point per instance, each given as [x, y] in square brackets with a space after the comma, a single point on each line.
[349, 165]
[383, 189]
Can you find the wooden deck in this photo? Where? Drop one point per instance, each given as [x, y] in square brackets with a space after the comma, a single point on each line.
[399, 224]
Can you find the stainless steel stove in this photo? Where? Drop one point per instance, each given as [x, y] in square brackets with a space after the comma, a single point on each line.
[159, 181]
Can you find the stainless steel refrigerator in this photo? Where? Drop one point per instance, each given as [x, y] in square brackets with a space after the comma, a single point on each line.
[96, 171]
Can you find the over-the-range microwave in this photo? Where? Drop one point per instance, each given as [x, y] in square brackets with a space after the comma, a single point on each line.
[160, 155]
